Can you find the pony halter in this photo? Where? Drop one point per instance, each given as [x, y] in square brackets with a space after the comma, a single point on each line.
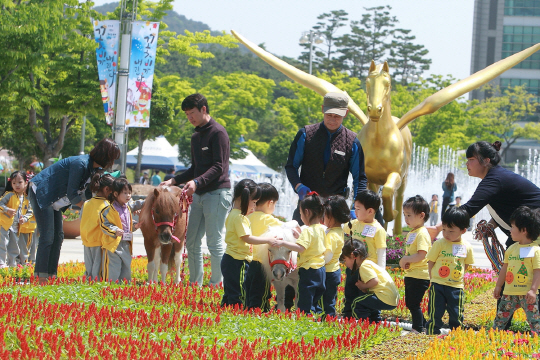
[289, 266]
[183, 196]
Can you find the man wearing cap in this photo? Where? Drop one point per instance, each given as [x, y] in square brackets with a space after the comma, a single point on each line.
[327, 153]
[145, 178]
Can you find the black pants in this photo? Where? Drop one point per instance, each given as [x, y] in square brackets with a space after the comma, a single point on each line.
[444, 298]
[414, 293]
[351, 292]
[445, 202]
[234, 278]
[257, 288]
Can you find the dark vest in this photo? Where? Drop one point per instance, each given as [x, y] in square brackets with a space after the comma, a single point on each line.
[333, 179]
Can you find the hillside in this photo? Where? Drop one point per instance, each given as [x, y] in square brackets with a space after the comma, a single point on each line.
[175, 22]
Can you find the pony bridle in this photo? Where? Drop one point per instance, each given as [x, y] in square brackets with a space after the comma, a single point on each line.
[289, 266]
[183, 196]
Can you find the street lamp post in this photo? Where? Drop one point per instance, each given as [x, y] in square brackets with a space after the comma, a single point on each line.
[310, 37]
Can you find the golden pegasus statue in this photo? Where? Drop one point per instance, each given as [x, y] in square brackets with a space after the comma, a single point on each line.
[386, 139]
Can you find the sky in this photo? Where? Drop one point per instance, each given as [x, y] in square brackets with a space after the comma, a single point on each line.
[444, 27]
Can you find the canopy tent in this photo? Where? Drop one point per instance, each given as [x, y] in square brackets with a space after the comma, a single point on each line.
[157, 154]
[250, 165]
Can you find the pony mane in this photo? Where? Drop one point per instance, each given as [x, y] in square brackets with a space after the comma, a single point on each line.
[166, 200]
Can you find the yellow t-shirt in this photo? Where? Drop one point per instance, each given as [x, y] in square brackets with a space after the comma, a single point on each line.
[312, 239]
[260, 222]
[372, 234]
[385, 290]
[334, 242]
[519, 274]
[418, 240]
[433, 206]
[237, 225]
[450, 259]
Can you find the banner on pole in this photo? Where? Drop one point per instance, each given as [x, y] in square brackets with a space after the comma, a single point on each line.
[144, 35]
[107, 35]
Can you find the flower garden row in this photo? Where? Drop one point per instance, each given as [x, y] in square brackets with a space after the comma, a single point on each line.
[72, 318]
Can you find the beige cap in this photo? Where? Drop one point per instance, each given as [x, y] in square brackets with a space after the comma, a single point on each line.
[335, 103]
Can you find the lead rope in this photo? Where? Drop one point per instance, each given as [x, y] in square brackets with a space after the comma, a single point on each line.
[494, 250]
[189, 201]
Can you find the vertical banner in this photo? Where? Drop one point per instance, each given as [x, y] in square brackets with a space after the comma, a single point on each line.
[144, 35]
[107, 35]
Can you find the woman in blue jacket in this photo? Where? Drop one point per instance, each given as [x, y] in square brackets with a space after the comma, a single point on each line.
[53, 190]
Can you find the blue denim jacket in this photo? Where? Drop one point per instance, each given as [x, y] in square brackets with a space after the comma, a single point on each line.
[64, 178]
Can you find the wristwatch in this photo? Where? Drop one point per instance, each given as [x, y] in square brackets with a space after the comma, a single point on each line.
[196, 182]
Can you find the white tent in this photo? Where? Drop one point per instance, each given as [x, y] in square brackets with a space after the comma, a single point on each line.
[250, 165]
[157, 154]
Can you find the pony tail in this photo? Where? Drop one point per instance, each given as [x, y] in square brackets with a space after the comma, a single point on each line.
[244, 201]
[350, 225]
[94, 183]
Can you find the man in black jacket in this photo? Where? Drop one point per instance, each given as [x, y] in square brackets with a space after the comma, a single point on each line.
[208, 180]
[327, 153]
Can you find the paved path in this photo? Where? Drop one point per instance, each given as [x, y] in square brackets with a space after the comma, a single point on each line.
[72, 249]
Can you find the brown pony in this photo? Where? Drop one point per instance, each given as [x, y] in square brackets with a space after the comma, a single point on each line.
[163, 225]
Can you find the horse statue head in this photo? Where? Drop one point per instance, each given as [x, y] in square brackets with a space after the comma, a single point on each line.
[378, 87]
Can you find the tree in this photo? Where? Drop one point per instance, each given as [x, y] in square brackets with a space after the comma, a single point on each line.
[238, 101]
[406, 58]
[328, 28]
[53, 81]
[500, 115]
[368, 39]
[49, 65]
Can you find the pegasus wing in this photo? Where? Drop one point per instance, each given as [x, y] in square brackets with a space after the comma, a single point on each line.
[444, 96]
[312, 82]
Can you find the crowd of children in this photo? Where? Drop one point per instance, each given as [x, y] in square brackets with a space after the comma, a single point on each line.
[437, 268]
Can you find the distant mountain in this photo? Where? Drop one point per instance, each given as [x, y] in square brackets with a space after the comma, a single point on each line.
[175, 22]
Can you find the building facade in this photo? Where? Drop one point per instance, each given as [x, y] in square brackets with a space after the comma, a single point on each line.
[502, 28]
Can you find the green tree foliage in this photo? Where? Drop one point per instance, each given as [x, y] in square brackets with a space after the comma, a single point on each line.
[240, 102]
[406, 58]
[49, 65]
[328, 27]
[499, 116]
[50, 76]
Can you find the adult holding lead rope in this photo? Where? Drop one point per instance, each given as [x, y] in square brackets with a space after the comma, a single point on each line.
[501, 191]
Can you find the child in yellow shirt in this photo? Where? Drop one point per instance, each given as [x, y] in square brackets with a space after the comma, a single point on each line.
[368, 230]
[336, 213]
[91, 233]
[417, 245]
[521, 260]
[311, 248]
[238, 237]
[378, 291]
[257, 285]
[448, 260]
